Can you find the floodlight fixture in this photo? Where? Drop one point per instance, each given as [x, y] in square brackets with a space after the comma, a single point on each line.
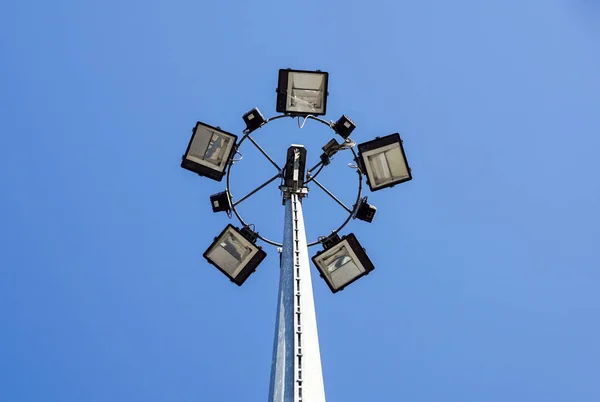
[384, 162]
[329, 149]
[365, 211]
[344, 126]
[253, 119]
[342, 262]
[302, 93]
[220, 202]
[235, 253]
[209, 151]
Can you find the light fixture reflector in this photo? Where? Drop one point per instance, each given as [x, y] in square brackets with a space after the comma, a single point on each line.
[343, 263]
[209, 151]
[384, 162]
[234, 255]
[302, 92]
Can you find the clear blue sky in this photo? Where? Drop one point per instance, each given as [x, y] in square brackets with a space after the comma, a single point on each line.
[487, 263]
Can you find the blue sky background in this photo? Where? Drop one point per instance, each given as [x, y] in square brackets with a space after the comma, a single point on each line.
[487, 263]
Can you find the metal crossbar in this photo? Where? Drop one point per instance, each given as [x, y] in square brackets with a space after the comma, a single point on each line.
[262, 151]
[257, 189]
[329, 193]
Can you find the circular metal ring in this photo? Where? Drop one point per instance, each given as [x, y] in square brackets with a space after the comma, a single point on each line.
[231, 163]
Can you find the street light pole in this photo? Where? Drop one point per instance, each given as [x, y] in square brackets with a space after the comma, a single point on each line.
[296, 373]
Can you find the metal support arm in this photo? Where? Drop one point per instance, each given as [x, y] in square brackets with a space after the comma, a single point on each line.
[332, 196]
[257, 189]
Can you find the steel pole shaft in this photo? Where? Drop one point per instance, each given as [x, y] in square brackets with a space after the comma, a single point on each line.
[296, 374]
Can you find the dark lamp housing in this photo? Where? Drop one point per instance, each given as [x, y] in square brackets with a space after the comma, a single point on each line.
[295, 166]
[330, 240]
[365, 212]
[342, 263]
[253, 119]
[344, 126]
[209, 151]
[302, 93]
[234, 255]
[329, 149]
[384, 162]
[249, 234]
[220, 202]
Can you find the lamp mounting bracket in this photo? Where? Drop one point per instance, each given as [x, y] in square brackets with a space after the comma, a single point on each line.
[296, 175]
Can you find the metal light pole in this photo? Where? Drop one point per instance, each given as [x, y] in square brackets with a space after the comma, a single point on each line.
[296, 367]
[296, 374]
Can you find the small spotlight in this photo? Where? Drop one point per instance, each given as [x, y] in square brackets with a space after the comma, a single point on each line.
[384, 162]
[344, 126]
[209, 151]
[331, 147]
[329, 150]
[220, 202]
[302, 92]
[330, 240]
[365, 211]
[342, 262]
[234, 253]
[253, 119]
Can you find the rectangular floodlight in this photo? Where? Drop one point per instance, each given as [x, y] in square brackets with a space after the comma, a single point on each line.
[302, 92]
[384, 162]
[209, 151]
[234, 255]
[343, 263]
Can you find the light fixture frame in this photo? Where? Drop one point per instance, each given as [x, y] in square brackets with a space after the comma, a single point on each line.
[251, 264]
[206, 169]
[357, 251]
[377, 143]
[282, 83]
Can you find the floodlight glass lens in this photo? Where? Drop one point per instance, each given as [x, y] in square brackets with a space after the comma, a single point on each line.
[200, 143]
[215, 152]
[306, 98]
[305, 92]
[338, 260]
[341, 267]
[210, 146]
[230, 253]
[388, 166]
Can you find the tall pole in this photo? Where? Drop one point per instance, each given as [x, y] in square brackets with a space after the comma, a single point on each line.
[296, 374]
